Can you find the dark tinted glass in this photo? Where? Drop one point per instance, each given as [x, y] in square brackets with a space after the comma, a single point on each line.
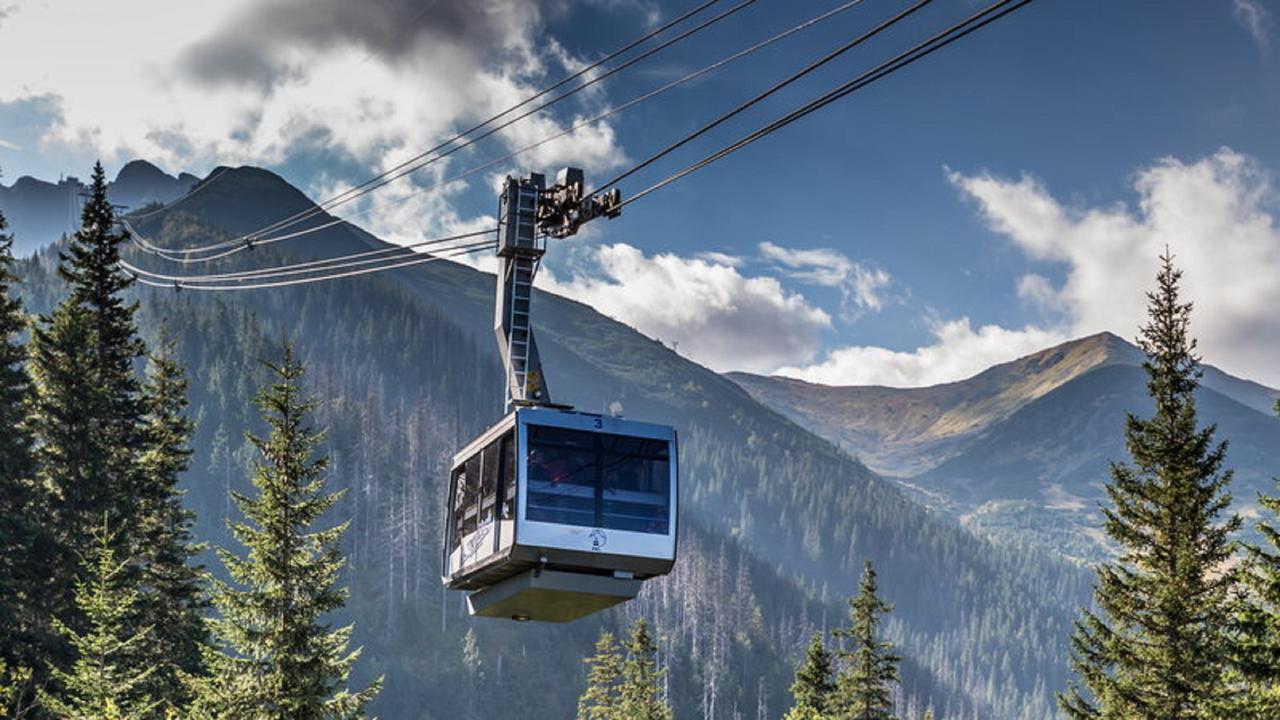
[582, 478]
[637, 484]
[470, 484]
[489, 482]
[563, 476]
[507, 450]
[458, 505]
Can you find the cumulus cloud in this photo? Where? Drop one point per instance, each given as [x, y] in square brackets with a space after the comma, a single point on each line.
[356, 86]
[958, 351]
[1214, 214]
[861, 287]
[719, 316]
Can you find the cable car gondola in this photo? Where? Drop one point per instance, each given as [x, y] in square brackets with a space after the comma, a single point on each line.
[554, 514]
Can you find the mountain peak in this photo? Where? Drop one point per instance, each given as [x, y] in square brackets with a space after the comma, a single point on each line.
[141, 171]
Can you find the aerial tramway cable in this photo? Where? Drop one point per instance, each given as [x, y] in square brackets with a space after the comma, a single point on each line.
[977, 21]
[338, 262]
[444, 150]
[971, 24]
[179, 285]
[180, 257]
[775, 88]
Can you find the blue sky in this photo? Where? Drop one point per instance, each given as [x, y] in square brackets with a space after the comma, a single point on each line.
[1004, 194]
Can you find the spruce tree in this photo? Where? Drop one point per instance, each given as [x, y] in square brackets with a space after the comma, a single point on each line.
[173, 596]
[68, 449]
[24, 627]
[640, 695]
[864, 688]
[1258, 648]
[604, 674]
[87, 416]
[814, 684]
[1157, 646]
[279, 660]
[102, 683]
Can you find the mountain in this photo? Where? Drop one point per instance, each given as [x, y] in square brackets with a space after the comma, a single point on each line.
[776, 521]
[40, 212]
[1023, 448]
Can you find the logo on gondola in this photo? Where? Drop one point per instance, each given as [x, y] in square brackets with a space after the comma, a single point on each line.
[598, 539]
[471, 548]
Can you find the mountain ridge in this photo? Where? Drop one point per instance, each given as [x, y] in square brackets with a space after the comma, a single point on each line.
[1035, 437]
[793, 501]
[39, 212]
[903, 432]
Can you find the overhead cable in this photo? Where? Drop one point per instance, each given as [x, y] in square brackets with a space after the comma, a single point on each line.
[971, 24]
[180, 257]
[325, 264]
[775, 88]
[444, 149]
[178, 285]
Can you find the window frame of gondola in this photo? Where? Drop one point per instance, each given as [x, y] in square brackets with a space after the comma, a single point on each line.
[603, 453]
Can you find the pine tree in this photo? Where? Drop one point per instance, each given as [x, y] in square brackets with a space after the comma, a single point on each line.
[24, 628]
[604, 675]
[1157, 646]
[173, 597]
[279, 660]
[1258, 649]
[102, 683]
[864, 687]
[88, 411]
[814, 684]
[67, 449]
[640, 695]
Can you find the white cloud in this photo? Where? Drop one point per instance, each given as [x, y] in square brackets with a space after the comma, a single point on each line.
[358, 86]
[1215, 215]
[861, 287]
[719, 317]
[1255, 18]
[958, 351]
[1037, 290]
[8, 145]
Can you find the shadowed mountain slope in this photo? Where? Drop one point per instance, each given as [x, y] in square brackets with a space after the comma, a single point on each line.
[406, 363]
[1023, 449]
[40, 212]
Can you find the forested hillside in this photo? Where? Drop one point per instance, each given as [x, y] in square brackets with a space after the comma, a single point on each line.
[777, 527]
[1021, 450]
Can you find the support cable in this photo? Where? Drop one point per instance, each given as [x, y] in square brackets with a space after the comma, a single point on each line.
[775, 88]
[324, 264]
[937, 42]
[179, 285]
[178, 257]
[444, 149]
